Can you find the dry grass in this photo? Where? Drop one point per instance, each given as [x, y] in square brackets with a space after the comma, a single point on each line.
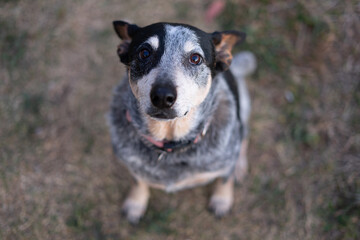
[58, 179]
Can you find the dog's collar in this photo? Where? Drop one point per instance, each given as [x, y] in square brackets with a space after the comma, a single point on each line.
[169, 146]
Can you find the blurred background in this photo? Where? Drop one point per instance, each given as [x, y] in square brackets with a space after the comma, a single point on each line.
[59, 178]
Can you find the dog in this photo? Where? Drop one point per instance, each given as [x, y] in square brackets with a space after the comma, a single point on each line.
[179, 119]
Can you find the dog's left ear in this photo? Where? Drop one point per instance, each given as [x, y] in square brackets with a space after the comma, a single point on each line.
[125, 31]
[224, 42]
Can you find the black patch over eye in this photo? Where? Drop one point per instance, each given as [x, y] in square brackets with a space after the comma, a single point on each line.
[145, 53]
[195, 59]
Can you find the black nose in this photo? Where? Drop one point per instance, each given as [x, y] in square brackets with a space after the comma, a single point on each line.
[163, 96]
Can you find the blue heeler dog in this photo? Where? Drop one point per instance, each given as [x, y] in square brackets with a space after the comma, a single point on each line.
[179, 119]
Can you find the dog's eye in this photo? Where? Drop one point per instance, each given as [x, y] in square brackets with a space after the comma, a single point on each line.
[195, 59]
[144, 54]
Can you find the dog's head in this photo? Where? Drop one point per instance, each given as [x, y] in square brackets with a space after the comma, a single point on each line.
[171, 66]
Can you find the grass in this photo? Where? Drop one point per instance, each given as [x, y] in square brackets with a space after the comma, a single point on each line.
[13, 44]
[58, 177]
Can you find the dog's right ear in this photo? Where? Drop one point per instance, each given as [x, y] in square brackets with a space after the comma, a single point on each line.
[125, 31]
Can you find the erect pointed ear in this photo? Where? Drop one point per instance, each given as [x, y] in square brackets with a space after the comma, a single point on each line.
[125, 31]
[224, 42]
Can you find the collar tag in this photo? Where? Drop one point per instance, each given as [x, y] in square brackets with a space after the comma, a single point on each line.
[161, 156]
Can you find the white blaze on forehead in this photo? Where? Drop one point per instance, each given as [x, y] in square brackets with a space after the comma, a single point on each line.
[154, 42]
[189, 46]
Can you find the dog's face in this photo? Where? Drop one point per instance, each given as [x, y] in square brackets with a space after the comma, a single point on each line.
[171, 66]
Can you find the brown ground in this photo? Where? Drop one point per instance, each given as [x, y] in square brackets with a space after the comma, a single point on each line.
[58, 179]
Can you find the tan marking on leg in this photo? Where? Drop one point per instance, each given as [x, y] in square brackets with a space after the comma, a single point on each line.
[136, 202]
[222, 197]
[241, 166]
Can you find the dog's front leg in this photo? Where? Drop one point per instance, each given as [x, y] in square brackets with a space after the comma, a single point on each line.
[136, 202]
[222, 197]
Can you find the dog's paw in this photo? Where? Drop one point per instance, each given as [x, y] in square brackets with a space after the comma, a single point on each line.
[133, 211]
[220, 205]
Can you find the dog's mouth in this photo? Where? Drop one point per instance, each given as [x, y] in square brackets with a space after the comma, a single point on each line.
[162, 115]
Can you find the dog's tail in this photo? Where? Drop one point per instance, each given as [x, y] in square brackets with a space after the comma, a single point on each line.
[243, 64]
